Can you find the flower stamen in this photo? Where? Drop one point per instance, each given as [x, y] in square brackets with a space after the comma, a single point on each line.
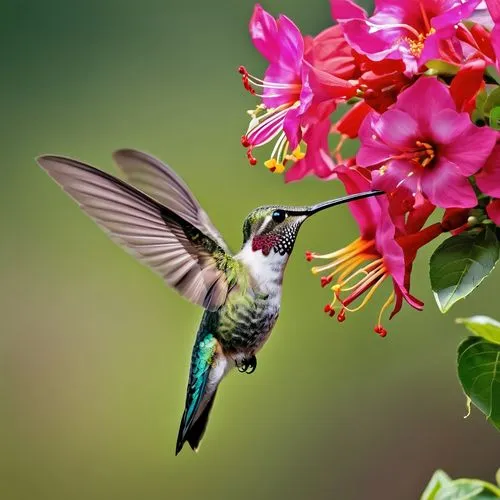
[378, 327]
[374, 283]
[424, 17]
[267, 124]
[250, 81]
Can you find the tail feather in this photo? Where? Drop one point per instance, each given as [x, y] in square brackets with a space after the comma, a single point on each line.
[197, 430]
[208, 365]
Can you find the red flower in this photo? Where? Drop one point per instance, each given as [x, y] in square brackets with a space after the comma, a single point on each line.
[383, 251]
[423, 145]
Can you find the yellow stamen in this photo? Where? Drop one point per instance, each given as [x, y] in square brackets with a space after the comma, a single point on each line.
[387, 303]
[357, 246]
[296, 155]
[350, 266]
[368, 296]
[342, 251]
[274, 166]
[428, 150]
[368, 275]
[416, 45]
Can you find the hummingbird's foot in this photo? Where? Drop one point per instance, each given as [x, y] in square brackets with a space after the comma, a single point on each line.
[247, 365]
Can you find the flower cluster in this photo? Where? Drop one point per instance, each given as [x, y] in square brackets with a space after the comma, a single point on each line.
[418, 83]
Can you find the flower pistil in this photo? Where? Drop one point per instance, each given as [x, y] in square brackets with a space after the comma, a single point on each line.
[357, 270]
[267, 124]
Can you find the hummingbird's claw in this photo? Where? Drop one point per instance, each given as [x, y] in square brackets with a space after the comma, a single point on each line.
[252, 364]
[248, 365]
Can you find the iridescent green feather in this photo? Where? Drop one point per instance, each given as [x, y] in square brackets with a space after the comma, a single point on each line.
[201, 362]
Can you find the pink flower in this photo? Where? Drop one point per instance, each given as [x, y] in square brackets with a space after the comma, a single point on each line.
[488, 181]
[423, 145]
[288, 100]
[381, 81]
[329, 51]
[494, 9]
[410, 30]
[318, 160]
[332, 65]
[482, 16]
[359, 269]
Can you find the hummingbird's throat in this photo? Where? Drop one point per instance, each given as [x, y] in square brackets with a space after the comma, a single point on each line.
[266, 124]
[265, 243]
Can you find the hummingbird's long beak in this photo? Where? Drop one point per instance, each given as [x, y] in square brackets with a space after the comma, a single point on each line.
[339, 201]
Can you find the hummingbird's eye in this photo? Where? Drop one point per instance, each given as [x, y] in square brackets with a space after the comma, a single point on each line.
[279, 215]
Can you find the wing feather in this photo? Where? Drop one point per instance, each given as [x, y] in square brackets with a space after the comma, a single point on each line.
[161, 183]
[188, 260]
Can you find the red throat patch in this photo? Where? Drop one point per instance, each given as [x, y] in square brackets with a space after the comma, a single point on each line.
[265, 243]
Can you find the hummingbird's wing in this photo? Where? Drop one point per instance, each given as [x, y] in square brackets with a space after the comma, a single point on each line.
[189, 260]
[161, 183]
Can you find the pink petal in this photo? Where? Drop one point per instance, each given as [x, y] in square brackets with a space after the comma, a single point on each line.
[471, 149]
[482, 16]
[277, 73]
[430, 91]
[291, 43]
[264, 33]
[377, 44]
[366, 212]
[328, 86]
[346, 9]
[455, 12]
[445, 186]
[390, 250]
[402, 292]
[396, 129]
[494, 8]
[493, 211]
[298, 171]
[400, 175]
[430, 50]
[448, 124]
[488, 180]
[495, 42]
[372, 150]
[317, 160]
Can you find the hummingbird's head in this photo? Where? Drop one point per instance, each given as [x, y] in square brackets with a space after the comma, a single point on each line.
[275, 227]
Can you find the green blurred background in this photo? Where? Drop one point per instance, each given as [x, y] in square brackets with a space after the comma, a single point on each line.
[94, 350]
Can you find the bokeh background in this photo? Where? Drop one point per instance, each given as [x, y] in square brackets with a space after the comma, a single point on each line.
[94, 350]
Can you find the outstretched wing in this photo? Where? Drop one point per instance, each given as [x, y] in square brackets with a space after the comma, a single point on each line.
[189, 260]
[161, 183]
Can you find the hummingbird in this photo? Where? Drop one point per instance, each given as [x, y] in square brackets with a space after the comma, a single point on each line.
[155, 216]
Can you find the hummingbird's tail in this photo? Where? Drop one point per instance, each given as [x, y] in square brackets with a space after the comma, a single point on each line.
[208, 367]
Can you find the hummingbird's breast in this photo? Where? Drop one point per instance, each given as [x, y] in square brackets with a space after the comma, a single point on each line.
[251, 310]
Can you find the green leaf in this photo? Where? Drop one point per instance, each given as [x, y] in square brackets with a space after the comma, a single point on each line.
[492, 72]
[495, 118]
[442, 487]
[465, 489]
[479, 373]
[438, 67]
[492, 101]
[460, 264]
[478, 113]
[438, 480]
[483, 326]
